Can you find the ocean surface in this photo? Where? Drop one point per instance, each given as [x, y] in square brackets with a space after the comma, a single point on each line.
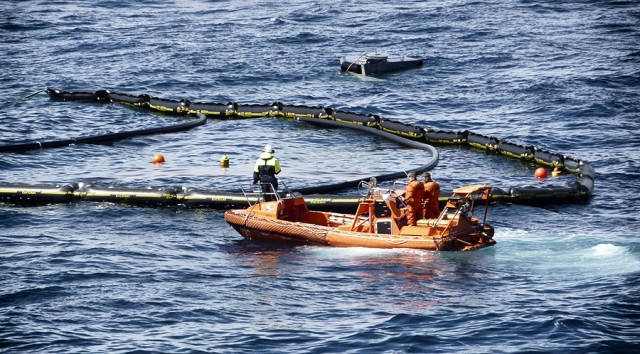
[101, 277]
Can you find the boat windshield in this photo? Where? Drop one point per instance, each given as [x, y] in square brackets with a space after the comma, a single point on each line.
[376, 60]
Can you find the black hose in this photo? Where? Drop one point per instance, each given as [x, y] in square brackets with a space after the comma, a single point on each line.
[105, 138]
[430, 164]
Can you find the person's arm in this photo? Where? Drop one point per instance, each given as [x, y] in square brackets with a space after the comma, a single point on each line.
[277, 166]
[409, 192]
[256, 175]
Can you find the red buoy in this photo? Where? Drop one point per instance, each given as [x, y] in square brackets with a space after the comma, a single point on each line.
[541, 172]
[157, 158]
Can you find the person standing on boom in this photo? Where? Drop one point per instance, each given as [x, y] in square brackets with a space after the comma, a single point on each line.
[265, 171]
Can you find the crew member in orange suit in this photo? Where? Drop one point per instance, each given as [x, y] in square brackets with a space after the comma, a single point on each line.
[431, 194]
[413, 196]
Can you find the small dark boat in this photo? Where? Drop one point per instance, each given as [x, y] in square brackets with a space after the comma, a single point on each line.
[377, 63]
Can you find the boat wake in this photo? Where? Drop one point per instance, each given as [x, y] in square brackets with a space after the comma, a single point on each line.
[352, 252]
[603, 259]
[607, 250]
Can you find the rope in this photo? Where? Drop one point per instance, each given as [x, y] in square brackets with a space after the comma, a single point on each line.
[349, 67]
[244, 223]
[33, 94]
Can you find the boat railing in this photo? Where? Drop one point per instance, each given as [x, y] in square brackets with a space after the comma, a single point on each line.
[371, 189]
[262, 192]
[399, 185]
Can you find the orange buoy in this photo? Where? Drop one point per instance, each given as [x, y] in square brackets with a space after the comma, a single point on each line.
[556, 172]
[158, 158]
[541, 172]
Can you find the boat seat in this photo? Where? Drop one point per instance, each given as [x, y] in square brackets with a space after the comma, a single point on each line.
[409, 230]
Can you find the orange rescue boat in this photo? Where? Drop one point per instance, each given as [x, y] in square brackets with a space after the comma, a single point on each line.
[379, 221]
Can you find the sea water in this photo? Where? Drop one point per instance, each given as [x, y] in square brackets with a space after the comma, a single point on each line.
[101, 277]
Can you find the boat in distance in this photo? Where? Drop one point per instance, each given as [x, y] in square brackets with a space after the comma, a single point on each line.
[379, 221]
[377, 63]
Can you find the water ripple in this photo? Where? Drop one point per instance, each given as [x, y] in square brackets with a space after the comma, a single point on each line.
[99, 277]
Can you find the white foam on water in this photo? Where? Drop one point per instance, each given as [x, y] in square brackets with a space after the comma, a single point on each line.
[350, 252]
[606, 259]
[584, 260]
[504, 233]
[605, 250]
[365, 77]
[358, 254]
[564, 253]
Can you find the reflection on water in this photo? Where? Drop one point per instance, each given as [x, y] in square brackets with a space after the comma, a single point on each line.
[413, 278]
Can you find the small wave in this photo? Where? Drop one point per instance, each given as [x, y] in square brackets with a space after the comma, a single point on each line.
[277, 20]
[304, 37]
[30, 295]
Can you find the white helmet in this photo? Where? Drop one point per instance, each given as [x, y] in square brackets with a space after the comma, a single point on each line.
[268, 148]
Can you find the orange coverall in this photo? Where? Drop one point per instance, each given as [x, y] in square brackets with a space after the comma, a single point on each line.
[413, 196]
[431, 195]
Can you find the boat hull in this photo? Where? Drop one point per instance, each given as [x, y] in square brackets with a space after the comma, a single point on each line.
[356, 65]
[258, 228]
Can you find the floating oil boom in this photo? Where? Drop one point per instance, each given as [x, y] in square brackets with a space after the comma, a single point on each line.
[576, 192]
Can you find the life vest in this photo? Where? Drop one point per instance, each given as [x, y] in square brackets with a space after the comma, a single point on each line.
[431, 192]
[267, 166]
[414, 193]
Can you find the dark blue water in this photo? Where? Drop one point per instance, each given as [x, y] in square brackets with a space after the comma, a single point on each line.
[98, 277]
